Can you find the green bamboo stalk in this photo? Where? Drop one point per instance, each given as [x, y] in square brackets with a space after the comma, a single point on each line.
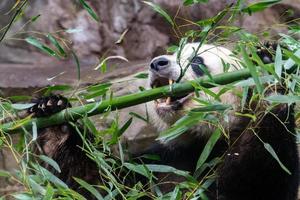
[177, 89]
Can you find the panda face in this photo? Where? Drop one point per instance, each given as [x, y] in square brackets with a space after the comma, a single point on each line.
[166, 69]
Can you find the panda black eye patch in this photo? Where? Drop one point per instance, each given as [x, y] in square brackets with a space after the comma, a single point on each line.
[195, 64]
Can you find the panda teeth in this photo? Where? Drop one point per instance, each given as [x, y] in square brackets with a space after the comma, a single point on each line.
[168, 101]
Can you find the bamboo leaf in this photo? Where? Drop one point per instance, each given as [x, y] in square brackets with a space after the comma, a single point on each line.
[138, 116]
[140, 169]
[270, 149]
[21, 106]
[49, 176]
[51, 162]
[292, 58]
[89, 188]
[49, 193]
[34, 131]
[190, 2]
[35, 42]
[77, 64]
[180, 127]
[90, 10]
[278, 61]
[103, 62]
[213, 107]
[34, 18]
[289, 99]
[158, 9]
[252, 69]
[4, 173]
[141, 76]
[36, 187]
[208, 148]
[22, 196]
[259, 6]
[57, 45]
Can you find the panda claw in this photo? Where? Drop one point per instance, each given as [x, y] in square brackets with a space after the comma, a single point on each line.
[46, 106]
[60, 102]
[49, 103]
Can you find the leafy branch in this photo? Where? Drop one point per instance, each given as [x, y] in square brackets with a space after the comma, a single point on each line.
[75, 113]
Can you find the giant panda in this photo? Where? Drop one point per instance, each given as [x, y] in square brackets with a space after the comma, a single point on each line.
[248, 171]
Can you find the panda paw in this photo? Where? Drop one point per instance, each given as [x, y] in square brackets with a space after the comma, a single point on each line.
[46, 106]
[266, 52]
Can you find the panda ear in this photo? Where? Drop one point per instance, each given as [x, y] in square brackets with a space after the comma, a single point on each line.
[196, 64]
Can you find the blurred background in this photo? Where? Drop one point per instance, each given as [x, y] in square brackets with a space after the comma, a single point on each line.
[144, 32]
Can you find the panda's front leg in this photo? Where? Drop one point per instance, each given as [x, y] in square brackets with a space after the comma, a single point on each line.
[64, 145]
[46, 106]
[251, 169]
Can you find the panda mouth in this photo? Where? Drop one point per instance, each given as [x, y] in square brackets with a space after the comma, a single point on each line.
[168, 102]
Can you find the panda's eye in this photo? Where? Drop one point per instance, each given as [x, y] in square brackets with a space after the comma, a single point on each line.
[196, 64]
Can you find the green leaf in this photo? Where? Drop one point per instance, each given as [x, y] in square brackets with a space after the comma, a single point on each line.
[89, 188]
[294, 56]
[57, 45]
[49, 193]
[140, 169]
[208, 148]
[51, 162]
[96, 94]
[89, 9]
[214, 107]
[252, 69]
[21, 106]
[255, 7]
[20, 98]
[34, 131]
[172, 49]
[158, 9]
[290, 62]
[4, 173]
[269, 148]
[98, 87]
[77, 64]
[35, 42]
[181, 126]
[289, 99]
[168, 169]
[36, 187]
[34, 18]
[49, 176]
[120, 131]
[176, 194]
[190, 2]
[141, 76]
[22, 196]
[139, 116]
[278, 61]
[50, 89]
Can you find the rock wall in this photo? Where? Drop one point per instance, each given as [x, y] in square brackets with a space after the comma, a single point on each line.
[147, 32]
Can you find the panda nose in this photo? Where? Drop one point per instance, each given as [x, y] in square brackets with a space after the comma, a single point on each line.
[159, 63]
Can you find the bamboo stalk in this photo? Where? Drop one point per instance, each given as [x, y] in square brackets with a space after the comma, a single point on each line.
[75, 113]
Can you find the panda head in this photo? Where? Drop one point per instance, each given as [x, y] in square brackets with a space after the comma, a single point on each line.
[166, 69]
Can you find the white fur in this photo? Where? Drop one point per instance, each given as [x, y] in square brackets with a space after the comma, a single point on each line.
[163, 117]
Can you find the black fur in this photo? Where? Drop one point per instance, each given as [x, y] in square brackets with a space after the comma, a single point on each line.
[63, 144]
[248, 170]
[196, 65]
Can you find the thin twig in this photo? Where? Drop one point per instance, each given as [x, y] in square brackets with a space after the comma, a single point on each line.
[13, 19]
